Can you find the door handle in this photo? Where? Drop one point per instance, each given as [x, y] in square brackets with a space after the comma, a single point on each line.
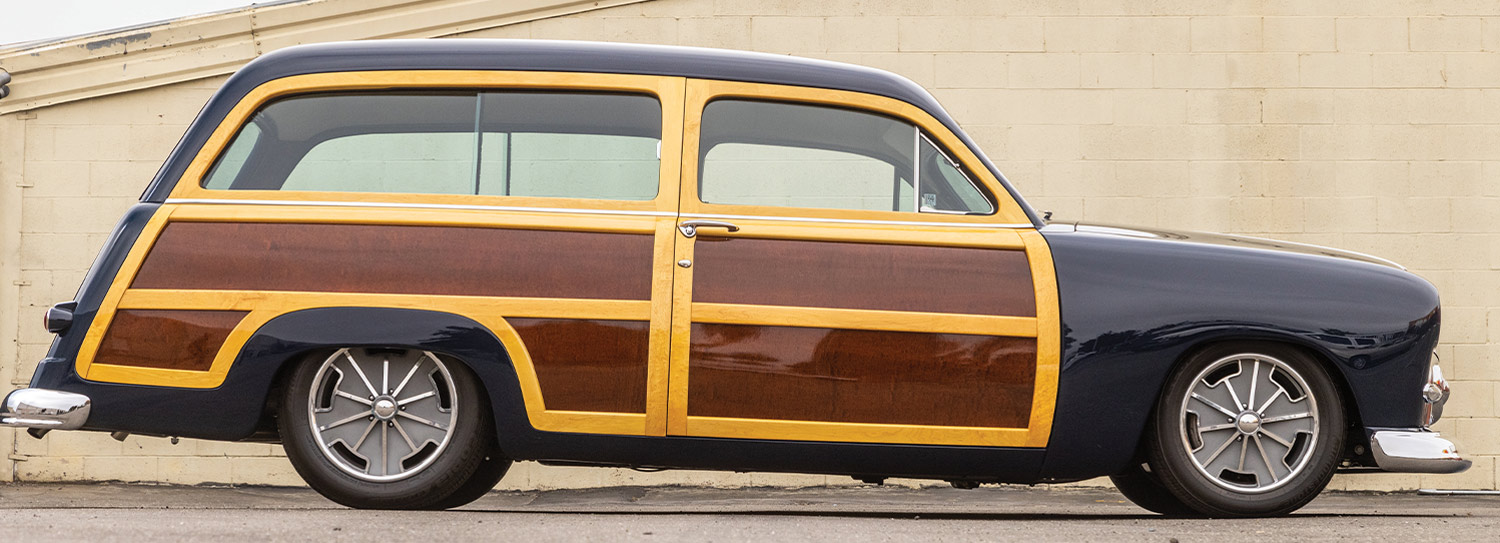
[690, 228]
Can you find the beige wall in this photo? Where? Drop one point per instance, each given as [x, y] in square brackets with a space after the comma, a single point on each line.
[1371, 126]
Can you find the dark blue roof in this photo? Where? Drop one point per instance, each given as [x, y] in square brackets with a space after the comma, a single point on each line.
[582, 56]
[552, 56]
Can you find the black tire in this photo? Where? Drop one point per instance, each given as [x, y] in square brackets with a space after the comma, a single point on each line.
[489, 473]
[1144, 489]
[1230, 494]
[469, 461]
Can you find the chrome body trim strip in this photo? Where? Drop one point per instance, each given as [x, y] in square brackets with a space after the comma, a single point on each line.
[465, 207]
[44, 409]
[455, 207]
[856, 221]
[1415, 452]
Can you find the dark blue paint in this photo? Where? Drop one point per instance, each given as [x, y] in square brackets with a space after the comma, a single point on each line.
[1135, 301]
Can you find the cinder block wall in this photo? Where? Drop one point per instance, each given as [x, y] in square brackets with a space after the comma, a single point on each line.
[1371, 126]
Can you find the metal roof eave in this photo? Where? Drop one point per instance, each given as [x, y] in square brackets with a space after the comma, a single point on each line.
[156, 54]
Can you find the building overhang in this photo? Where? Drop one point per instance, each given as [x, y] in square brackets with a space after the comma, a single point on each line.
[54, 72]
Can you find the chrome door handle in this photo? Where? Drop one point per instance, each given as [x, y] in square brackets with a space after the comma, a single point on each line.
[690, 228]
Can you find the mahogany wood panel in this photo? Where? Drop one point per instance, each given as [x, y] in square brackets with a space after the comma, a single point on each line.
[833, 375]
[438, 260]
[588, 365]
[169, 339]
[863, 276]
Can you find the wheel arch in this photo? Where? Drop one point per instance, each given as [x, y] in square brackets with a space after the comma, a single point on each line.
[270, 355]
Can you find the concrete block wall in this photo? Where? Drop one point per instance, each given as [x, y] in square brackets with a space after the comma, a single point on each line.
[1370, 126]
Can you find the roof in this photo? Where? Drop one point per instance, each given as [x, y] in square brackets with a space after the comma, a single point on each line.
[213, 44]
[579, 56]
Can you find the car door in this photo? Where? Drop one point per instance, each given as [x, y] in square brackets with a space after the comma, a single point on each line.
[848, 271]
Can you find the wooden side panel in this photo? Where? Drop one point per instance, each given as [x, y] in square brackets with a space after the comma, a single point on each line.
[588, 365]
[437, 260]
[863, 276]
[832, 375]
[166, 339]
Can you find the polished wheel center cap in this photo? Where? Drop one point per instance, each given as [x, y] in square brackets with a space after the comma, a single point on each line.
[1248, 423]
[384, 408]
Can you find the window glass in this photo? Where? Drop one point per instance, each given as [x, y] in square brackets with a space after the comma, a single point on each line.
[425, 162]
[774, 175]
[793, 155]
[233, 159]
[566, 145]
[538, 144]
[945, 186]
[796, 155]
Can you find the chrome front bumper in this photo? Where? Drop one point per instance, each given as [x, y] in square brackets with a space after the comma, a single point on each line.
[1415, 452]
[43, 409]
[1420, 451]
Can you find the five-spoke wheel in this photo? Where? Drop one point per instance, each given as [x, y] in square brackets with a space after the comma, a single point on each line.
[390, 429]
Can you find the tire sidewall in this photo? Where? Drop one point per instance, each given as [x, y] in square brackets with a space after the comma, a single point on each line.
[1180, 474]
[471, 440]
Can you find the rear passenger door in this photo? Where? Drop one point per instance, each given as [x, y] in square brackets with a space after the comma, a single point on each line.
[848, 271]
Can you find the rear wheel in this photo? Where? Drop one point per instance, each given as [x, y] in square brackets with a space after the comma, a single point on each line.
[1247, 429]
[390, 429]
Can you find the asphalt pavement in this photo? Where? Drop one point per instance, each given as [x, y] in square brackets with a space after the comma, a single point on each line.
[116, 512]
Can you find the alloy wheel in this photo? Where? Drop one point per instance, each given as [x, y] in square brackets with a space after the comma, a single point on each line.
[1250, 423]
[382, 415]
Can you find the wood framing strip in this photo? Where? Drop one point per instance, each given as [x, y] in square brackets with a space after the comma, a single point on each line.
[432, 260]
[860, 376]
[166, 339]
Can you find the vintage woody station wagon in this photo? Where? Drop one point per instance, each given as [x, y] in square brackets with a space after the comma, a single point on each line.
[412, 263]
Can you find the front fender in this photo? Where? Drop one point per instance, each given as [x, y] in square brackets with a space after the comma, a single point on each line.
[1134, 303]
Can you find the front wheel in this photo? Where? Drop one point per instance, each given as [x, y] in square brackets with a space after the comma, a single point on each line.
[390, 429]
[1247, 429]
[1144, 489]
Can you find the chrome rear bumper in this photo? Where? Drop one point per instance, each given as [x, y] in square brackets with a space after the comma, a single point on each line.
[43, 409]
[1415, 452]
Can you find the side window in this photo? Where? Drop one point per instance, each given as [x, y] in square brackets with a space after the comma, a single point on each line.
[796, 155]
[570, 145]
[233, 159]
[427, 162]
[538, 144]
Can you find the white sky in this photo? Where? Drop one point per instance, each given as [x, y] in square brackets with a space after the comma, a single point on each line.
[29, 20]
